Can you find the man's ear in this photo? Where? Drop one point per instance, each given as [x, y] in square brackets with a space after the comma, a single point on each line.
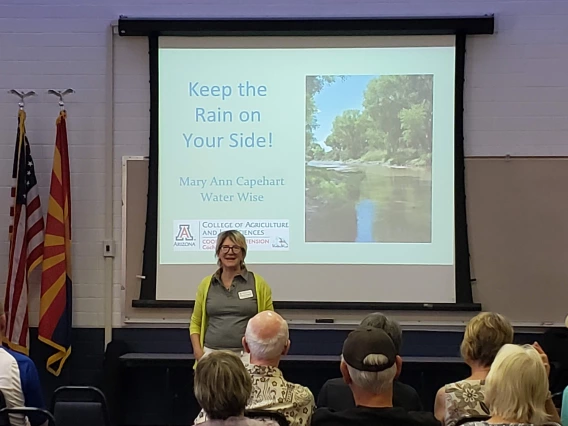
[286, 348]
[345, 373]
[245, 346]
[398, 362]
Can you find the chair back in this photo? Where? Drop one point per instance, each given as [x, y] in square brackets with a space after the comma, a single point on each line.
[29, 412]
[267, 415]
[468, 419]
[555, 344]
[87, 403]
[4, 419]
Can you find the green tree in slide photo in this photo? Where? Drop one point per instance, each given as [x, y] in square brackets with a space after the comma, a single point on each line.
[368, 154]
[314, 85]
[393, 126]
[401, 107]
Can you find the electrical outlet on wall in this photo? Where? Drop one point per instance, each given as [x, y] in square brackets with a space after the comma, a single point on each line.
[109, 248]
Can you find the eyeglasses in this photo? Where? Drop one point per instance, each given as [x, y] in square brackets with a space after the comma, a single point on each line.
[227, 249]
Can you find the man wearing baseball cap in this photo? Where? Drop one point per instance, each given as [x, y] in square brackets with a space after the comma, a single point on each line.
[369, 365]
[336, 394]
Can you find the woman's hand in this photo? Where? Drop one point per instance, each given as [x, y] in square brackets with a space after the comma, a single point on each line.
[198, 353]
[543, 357]
[196, 345]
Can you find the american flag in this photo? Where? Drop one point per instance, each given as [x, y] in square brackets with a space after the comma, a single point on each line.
[26, 241]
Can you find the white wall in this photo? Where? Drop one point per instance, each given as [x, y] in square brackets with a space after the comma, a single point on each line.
[516, 95]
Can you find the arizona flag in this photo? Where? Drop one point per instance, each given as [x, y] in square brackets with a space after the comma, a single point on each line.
[55, 317]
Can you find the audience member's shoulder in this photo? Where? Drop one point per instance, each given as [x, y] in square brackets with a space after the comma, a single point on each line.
[20, 358]
[466, 383]
[24, 362]
[404, 388]
[12, 359]
[303, 395]
[9, 366]
[325, 416]
[254, 422]
[338, 381]
[240, 421]
[406, 396]
[362, 415]
[336, 394]
[424, 418]
[8, 355]
[265, 423]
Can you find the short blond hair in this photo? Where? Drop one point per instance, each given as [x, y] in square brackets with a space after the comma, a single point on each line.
[222, 385]
[484, 335]
[236, 237]
[517, 385]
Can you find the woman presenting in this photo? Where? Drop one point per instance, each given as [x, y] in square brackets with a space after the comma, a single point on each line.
[226, 300]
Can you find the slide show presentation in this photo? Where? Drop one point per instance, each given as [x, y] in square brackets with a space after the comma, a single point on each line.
[334, 156]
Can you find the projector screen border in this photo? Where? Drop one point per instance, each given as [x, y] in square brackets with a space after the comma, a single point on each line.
[419, 25]
[460, 26]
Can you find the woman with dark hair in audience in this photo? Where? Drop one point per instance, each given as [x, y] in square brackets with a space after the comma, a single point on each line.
[516, 389]
[222, 387]
[484, 336]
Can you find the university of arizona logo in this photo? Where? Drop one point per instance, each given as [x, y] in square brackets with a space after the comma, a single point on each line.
[184, 238]
[184, 233]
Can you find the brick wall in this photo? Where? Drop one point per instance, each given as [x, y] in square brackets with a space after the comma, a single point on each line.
[516, 95]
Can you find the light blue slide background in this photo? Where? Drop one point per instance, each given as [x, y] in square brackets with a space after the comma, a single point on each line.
[283, 72]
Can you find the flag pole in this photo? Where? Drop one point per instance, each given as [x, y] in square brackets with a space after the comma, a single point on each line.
[22, 95]
[61, 94]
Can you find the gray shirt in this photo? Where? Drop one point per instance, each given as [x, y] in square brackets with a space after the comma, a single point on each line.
[229, 311]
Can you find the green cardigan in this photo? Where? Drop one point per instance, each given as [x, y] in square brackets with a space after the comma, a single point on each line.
[198, 322]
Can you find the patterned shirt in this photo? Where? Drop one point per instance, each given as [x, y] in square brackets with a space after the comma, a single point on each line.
[464, 398]
[239, 421]
[505, 424]
[271, 392]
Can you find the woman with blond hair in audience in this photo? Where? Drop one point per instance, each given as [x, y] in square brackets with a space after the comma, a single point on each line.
[484, 336]
[517, 388]
[222, 387]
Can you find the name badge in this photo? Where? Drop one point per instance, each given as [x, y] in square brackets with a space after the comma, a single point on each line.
[247, 294]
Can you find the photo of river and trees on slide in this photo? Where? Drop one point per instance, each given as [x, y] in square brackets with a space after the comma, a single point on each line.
[369, 158]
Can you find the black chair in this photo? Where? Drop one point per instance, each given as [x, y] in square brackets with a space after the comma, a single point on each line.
[555, 343]
[113, 384]
[267, 415]
[4, 419]
[557, 400]
[468, 419]
[29, 411]
[87, 403]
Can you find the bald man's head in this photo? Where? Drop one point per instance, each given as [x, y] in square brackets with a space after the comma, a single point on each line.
[266, 336]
